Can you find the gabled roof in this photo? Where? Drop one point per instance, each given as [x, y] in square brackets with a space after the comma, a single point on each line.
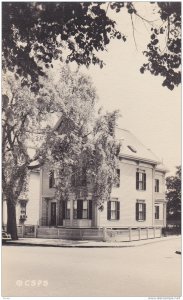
[132, 148]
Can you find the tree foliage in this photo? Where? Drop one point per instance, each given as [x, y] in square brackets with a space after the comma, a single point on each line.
[83, 146]
[82, 139]
[165, 60]
[26, 123]
[173, 196]
[40, 32]
[34, 34]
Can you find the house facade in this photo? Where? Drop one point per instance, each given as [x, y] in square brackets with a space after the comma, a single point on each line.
[136, 209]
[137, 201]
[27, 208]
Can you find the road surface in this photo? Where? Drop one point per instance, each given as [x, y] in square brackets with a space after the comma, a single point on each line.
[149, 270]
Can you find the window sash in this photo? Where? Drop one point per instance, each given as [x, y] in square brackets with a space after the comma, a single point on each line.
[156, 185]
[141, 181]
[157, 212]
[51, 179]
[67, 209]
[140, 211]
[113, 210]
[82, 209]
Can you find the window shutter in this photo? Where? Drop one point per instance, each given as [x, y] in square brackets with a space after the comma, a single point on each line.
[137, 211]
[118, 210]
[79, 209]
[90, 210]
[144, 175]
[137, 180]
[108, 210]
[144, 210]
[63, 209]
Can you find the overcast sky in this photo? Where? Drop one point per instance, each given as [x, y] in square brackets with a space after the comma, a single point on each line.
[150, 111]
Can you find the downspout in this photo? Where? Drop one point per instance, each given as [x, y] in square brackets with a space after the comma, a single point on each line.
[41, 197]
[153, 200]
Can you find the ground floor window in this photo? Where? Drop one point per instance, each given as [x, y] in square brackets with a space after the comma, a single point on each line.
[140, 211]
[157, 212]
[23, 204]
[113, 210]
[82, 209]
[67, 209]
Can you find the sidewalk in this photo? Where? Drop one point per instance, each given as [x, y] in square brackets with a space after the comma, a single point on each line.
[85, 244]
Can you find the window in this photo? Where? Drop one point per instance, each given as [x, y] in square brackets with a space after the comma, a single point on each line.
[157, 185]
[157, 212]
[140, 211]
[117, 183]
[23, 204]
[67, 210]
[51, 179]
[113, 210]
[82, 209]
[79, 178]
[132, 148]
[141, 181]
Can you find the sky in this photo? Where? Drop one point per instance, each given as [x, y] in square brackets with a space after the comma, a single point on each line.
[149, 110]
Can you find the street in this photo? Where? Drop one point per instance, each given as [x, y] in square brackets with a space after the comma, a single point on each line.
[149, 270]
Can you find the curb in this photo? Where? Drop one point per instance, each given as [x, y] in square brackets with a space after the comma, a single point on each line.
[12, 243]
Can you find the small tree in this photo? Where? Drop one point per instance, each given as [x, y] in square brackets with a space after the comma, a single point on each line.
[173, 196]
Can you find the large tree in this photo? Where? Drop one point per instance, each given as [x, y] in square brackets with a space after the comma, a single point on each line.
[84, 154]
[173, 196]
[82, 138]
[36, 33]
[26, 124]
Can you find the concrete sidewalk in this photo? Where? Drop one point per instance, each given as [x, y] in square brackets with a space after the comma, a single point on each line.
[85, 244]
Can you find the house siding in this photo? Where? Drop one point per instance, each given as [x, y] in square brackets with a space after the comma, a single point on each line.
[127, 195]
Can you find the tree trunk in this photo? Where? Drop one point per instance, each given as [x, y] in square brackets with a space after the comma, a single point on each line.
[11, 220]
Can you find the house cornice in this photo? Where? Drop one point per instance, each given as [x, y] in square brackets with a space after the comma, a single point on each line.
[141, 159]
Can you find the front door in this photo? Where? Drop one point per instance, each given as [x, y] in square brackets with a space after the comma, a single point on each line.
[53, 214]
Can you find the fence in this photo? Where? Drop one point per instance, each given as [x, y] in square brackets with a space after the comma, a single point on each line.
[100, 234]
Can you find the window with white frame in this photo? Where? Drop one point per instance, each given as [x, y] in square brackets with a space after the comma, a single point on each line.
[67, 209]
[113, 210]
[51, 179]
[157, 185]
[156, 212]
[82, 209]
[117, 183]
[141, 180]
[140, 211]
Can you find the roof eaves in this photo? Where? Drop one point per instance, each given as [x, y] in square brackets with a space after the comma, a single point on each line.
[140, 159]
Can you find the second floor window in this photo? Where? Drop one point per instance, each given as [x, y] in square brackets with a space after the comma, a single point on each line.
[51, 179]
[117, 183]
[79, 178]
[141, 181]
[157, 185]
